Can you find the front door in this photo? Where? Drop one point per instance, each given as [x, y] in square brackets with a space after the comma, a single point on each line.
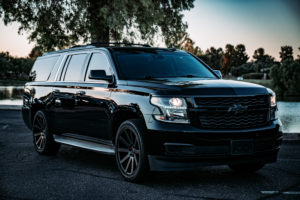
[93, 99]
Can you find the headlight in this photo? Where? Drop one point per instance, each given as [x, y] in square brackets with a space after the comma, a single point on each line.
[172, 109]
[273, 100]
[273, 104]
[272, 97]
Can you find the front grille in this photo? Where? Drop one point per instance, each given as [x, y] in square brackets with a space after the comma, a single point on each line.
[217, 112]
[228, 101]
[225, 121]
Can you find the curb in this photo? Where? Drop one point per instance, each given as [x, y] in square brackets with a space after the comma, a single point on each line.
[10, 107]
[291, 137]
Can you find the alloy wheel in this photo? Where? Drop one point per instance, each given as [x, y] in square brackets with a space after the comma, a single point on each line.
[39, 132]
[128, 151]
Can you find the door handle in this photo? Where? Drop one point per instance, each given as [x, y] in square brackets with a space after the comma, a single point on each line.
[80, 93]
[57, 102]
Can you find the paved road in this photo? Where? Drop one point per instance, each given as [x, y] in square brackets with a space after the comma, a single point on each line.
[79, 174]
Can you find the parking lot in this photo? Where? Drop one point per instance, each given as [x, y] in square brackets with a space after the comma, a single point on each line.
[80, 174]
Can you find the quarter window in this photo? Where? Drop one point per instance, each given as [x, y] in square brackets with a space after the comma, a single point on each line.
[98, 62]
[75, 68]
[42, 68]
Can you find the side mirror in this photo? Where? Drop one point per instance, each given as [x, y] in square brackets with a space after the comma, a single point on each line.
[218, 72]
[100, 75]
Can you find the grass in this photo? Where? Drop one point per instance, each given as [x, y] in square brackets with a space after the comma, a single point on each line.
[12, 82]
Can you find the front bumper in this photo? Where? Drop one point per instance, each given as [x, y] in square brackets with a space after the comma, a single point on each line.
[191, 148]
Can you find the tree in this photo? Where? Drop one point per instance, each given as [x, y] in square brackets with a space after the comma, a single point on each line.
[298, 56]
[35, 52]
[286, 53]
[188, 44]
[240, 55]
[286, 78]
[227, 60]
[233, 57]
[214, 57]
[259, 55]
[57, 24]
[5, 64]
[263, 61]
[14, 68]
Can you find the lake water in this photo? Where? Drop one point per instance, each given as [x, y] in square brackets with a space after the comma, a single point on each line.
[11, 95]
[289, 112]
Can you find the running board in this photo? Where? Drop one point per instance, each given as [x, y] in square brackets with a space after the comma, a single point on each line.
[106, 149]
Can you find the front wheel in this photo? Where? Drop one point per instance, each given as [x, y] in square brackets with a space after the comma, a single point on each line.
[246, 168]
[42, 138]
[131, 156]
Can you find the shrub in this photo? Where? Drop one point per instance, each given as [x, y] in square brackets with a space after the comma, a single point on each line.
[243, 69]
[253, 76]
[286, 78]
[251, 67]
[14, 68]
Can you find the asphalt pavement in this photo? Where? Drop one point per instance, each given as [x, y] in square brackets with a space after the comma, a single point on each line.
[80, 174]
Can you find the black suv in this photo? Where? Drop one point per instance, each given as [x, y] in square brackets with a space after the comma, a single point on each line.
[158, 109]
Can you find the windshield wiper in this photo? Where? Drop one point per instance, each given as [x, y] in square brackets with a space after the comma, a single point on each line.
[189, 76]
[149, 78]
[183, 76]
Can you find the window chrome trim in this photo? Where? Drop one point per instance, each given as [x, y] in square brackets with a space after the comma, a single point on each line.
[87, 68]
[62, 70]
[62, 63]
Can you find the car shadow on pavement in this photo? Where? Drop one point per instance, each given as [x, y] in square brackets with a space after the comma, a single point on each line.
[85, 161]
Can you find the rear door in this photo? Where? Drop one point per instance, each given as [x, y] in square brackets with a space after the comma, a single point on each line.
[66, 115]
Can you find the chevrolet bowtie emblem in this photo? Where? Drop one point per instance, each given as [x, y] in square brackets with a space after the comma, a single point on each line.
[237, 108]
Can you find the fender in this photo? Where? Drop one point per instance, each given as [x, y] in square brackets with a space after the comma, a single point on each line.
[121, 114]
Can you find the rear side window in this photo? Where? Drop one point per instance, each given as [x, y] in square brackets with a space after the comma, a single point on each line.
[98, 62]
[75, 68]
[42, 68]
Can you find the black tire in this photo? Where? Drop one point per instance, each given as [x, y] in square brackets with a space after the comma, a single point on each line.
[246, 168]
[42, 138]
[131, 155]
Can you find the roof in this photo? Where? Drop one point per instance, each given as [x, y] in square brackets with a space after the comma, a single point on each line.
[111, 46]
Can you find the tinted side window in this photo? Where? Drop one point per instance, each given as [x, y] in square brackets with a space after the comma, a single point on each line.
[75, 68]
[98, 61]
[42, 68]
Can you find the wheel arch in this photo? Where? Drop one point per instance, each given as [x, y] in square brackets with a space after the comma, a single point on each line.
[35, 107]
[122, 114]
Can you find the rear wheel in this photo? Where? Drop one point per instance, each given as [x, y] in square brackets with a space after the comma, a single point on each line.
[131, 156]
[42, 138]
[246, 168]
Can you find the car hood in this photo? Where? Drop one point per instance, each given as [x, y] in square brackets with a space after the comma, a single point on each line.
[196, 86]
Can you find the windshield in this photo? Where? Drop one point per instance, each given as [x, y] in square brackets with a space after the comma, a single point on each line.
[159, 64]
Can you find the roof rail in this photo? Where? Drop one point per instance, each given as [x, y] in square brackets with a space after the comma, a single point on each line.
[74, 48]
[106, 44]
[96, 44]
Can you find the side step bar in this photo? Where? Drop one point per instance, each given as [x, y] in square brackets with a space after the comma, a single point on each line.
[106, 149]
